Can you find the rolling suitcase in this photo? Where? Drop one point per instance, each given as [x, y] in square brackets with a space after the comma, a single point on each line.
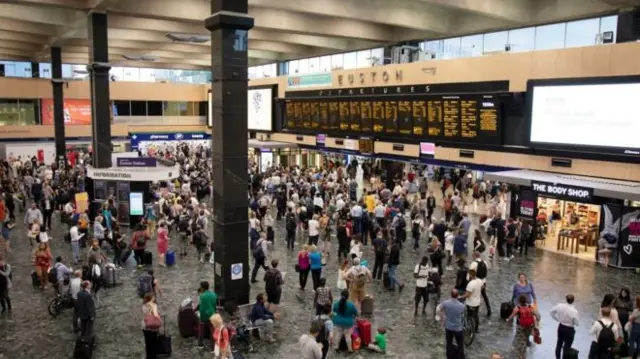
[84, 347]
[367, 306]
[164, 342]
[170, 258]
[147, 258]
[386, 281]
[506, 308]
[109, 275]
[187, 320]
[364, 327]
[35, 280]
[570, 354]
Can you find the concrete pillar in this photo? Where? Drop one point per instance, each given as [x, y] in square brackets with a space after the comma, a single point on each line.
[229, 25]
[58, 105]
[100, 105]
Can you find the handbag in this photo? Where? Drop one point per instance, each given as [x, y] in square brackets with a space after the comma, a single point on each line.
[536, 336]
[296, 267]
[151, 322]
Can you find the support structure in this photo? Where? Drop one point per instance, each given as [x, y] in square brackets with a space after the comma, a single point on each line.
[58, 106]
[100, 105]
[229, 25]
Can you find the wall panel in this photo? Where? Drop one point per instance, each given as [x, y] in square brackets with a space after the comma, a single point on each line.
[291, 138]
[387, 148]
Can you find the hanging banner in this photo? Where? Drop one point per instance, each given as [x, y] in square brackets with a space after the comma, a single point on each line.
[76, 112]
[136, 138]
[526, 204]
[630, 238]
[312, 80]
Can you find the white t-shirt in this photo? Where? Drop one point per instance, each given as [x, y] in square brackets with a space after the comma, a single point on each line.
[254, 223]
[475, 288]
[421, 270]
[314, 227]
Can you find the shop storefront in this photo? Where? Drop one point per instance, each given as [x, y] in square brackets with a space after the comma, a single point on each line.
[583, 217]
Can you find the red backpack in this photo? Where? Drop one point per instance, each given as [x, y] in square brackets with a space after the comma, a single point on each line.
[525, 316]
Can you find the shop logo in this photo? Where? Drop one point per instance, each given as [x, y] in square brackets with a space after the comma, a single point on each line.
[628, 249]
[179, 136]
[563, 191]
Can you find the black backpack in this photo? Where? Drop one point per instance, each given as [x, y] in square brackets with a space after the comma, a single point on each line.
[323, 335]
[291, 222]
[481, 269]
[402, 224]
[53, 275]
[606, 338]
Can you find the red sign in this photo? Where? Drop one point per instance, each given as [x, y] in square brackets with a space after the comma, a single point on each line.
[76, 112]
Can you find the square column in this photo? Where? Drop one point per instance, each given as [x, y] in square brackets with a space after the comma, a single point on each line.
[100, 104]
[229, 24]
[58, 106]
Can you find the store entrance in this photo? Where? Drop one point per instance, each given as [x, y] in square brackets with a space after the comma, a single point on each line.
[568, 227]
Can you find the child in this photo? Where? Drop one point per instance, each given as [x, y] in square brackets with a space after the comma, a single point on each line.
[380, 342]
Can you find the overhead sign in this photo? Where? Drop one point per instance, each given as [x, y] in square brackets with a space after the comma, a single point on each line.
[300, 81]
[149, 174]
[372, 76]
[136, 162]
[427, 148]
[136, 138]
[563, 191]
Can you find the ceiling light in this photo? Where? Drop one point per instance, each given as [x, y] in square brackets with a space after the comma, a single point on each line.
[189, 38]
[146, 58]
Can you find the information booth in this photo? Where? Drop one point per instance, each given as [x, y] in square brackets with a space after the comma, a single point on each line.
[128, 185]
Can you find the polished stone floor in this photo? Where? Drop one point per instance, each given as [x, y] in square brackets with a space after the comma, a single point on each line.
[29, 332]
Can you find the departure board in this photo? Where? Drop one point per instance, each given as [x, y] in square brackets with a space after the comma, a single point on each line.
[391, 116]
[334, 114]
[354, 110]
[378, 115]
[289, 111]
[297, 114]
[419, 109]
[447, 118]
[451, 116]
[345, 118]
[306, 114]
[315, 114]
[366, 116]
[324, 115]
[405, 122]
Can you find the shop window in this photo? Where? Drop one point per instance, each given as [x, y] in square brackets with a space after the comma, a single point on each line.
[154, 108]
[337, 61]
[123, 108]
[609, 23]
[549, 37]
[138, 108]
[170, 108]
[471, 46]
[582, 32]
[521, 40]
[495, 42]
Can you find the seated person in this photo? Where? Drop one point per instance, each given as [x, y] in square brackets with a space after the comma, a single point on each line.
[379, 342]
[262, 318]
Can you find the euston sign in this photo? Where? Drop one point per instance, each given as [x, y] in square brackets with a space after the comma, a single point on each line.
[564, 191]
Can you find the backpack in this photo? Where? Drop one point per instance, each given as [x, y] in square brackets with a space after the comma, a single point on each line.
[257, 251]
[145, 285]
[291, 222]
[183, 225]
[53, 275]
[415, 229]
[481, 269]
[323, 334]
[402, 224]
[434, 281]
[95, 277]
[606, 338]
[525, 316]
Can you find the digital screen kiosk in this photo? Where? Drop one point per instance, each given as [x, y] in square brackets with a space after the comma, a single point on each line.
[128, 187]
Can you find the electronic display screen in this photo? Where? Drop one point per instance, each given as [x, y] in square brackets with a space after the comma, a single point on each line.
[334, 115]
[306, 114]
[345, 118]
[136, 204]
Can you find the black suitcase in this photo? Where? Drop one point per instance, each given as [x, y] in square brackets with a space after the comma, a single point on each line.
[84, 347]
[506, 308]
[147, 258]
[164, 342]
[35, 280]
[570, 354]
[386, 281]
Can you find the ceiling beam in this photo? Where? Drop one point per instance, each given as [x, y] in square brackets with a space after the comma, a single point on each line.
[21, 37]
[18, 45]
[40, 15]
[399, 13]
[71, 4]
[13, 57]
[279, 47]
[554, 10]
[139, 23]
[26, 27]
[517, 11]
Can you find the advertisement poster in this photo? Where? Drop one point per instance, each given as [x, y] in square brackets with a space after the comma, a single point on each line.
[82, 202]
[40, 155]
[610, 233]
[527, 204]
[76, 112]
[136, 203]
[630, 238]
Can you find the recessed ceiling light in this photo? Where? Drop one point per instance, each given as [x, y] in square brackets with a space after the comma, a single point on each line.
[188, 38]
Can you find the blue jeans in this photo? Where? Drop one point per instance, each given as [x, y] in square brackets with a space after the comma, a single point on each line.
[634, 341]
[75, 248]
[357, 225]
[393, 281]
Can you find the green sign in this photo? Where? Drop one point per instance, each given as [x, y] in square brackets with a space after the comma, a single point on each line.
[311, 80]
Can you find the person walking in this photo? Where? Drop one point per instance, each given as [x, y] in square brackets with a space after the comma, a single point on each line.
[482, 270]
[605, 334]
[421, 274]
[86, 309]
[304, 266]
[5, 285]
[527, 321]
[162, 242]
[315, 258]
[634, 333]
[394, 262]
[453, 310]
[567, 317]
[151, 323]
[473, 296]
[380, 248]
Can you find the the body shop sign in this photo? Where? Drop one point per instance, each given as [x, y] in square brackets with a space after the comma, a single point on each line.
[563, 191]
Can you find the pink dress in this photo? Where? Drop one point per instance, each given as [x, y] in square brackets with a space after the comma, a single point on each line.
[163, 240]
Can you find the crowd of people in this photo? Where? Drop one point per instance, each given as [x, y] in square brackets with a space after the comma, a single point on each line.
[337, 213]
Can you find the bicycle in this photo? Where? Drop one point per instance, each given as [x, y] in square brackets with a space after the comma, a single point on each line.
[468, 326]
[60, 302]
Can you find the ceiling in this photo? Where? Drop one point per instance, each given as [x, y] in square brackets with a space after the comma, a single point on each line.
[284, 29]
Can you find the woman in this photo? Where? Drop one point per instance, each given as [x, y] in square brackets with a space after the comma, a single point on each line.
[634, 330]
[624, 306]
[107, 215]
[417, 226]
[315, 260]
[609, 301]
[42, 261]
[342, 274]
[323, 297]
[325, 234]
[151, 216]
[34, 232]
[151, 322]
[356, 247]
[304, 265]
[163, 242]
[527, 321]
[523, 287]
[268, 223]
[220, 338]
[98, 229]
[344, 319]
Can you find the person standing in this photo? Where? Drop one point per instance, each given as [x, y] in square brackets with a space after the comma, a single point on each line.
[290, 225]
[139, 244]
[304, 264]
[86, 309]
[567, 317]
[273, 282]
[421, 274]
[473, 296]
[314, 230]
[5, 285]
[605, 333]
[207, 306]
[431, 205]
[315, 258]
[394, 262]
[498, 225]
[634, 333]
[380, 248]
[453, 310]
[482, 270]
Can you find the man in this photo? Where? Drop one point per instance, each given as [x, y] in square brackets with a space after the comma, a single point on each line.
[139, 244]
[74, 288]
[75, 236]
[262, 318]
[33, 214]
[453, 310]
[605, 333]
[309, 347]
[465, 224]
[86, 309]
[512, 234]
[207, 305]
[439, 230]
[290, 224]
[61, 272]
[482, 270]
[379, 214]
[380, 248]
[318, 203]
[273, 282]
[200, 240]
[259, 256]
[356, 214]
[5, 285]
[498, 225]
[460, 245]
[394, 262]
[567, 317]
[473, 296]
[95, 253]
[431, 204]
[421, 274]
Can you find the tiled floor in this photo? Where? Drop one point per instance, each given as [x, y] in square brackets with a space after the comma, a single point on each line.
[31, 333]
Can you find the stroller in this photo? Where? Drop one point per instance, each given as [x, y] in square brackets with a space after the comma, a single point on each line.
[239, 327]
